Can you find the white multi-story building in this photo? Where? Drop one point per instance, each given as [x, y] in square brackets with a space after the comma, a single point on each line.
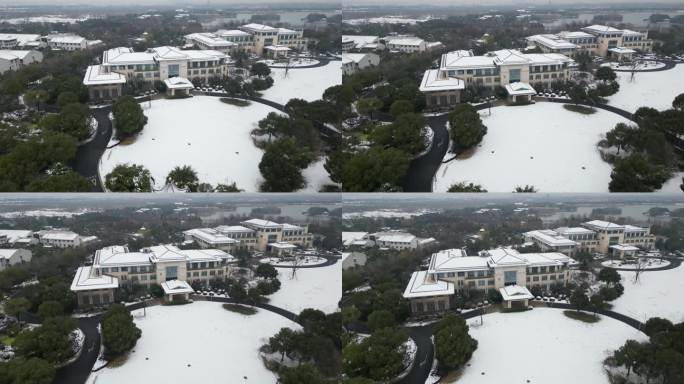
[60, 238]
[502, 269]
[15, 237]
[122, 65]
[10, 257]
[166, 265]
[21, 41]
[459, 69]
[599, 40]
[593, 236]
[264, 36]
[405, 44]
[67, 42]
[210, 41]
[354, 62]
[13, 60]
[254, 234]
[361, 43]
[393, 239]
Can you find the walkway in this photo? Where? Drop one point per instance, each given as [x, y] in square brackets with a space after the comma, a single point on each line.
[674, 263]
[669, 64]
[322, 62]
[79, 371]
[328, 262]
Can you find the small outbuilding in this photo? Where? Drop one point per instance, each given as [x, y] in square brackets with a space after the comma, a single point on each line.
[178, 86]
[176, 291]
[520, 93]
[515, 296]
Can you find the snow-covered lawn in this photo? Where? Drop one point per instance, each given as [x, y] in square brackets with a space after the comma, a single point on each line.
[294, 63]
[319, 288]
[211, 136]
[543, 346]
[303, 83]
[644, 263]
[316, 176]
[197, 343]
[640, 65]
[302, 261]
[657, 293]
[652, 89]
[673, 185]
[542, 144]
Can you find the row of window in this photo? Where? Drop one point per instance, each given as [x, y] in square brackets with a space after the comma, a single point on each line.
[544, 278]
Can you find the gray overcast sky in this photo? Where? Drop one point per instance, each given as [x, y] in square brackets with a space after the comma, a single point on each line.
[521, 3]
[158, 2]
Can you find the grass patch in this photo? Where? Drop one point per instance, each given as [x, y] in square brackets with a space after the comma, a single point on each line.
[582, 316]
[6, 340]
[241, 309]
[235, 102]
[583, 109]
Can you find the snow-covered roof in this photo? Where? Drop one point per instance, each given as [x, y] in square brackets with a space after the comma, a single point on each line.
[66, 39]
[283, 245]
[551, 238]
[259, 27]
[210, 39]
[350, 237]
[601, 29]
[8, 253]
[14, 235]
[361, 41]
[211, 235]
[124, 56]
[178, 83]
[421, 285]
[573, 231]
[509, 57]
[515, 292]
[231, 32]
[233, 228]
[86, 280]
[97, 75]
[396, 237]
[21, 38]
[206, 255]
[520, 89]
[634, 228]
[622, 50]
[624, 247]
[411, 41]
[432, 82]
[600, 224]
[117, 256]
[9, 54]
[455, 260]
[261, 223]
[504, 257]
[552, 41]
[353, 57]
[457, 60]
[291, 227]
[54, 234]
[176, 286]
[277, 48]
[575, 35]
[168, 53]
[162, 253]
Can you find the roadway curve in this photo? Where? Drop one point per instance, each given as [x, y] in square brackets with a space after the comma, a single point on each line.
[425, 354]
[674, 263]
[328, 262]
[79, 371]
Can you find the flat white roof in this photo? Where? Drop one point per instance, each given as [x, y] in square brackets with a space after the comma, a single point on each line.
[14, 235]
[573, 231]
[84, 281]
[432, 82]
[455, 260]
[233, 228]
[176, 286]
[421, 286]
[515, 292]
[413, 41]
[350, 237]
[66, 39]
[261, 223]
[520, 89]
[552, 41]
[259, 27]
[231, 32]
[575, 35]
[96, 75]
[210, 235]
[210, 39]
[120, 256]
[178, 83]
[551, 238]
[8, 253]
[59, 235]
[602, 29]
[398, 237]
[283, 245]
[624, 247]
[603, 224]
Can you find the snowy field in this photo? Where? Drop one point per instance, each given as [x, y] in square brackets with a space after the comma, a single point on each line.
[644, 263]
[316, 176]
[387, 214]
[197, 343]
[297, 62]
[543, 346]
[211, 136]
[564, 157]
[656, 293]
[673, 185]
[319, 288]
[304, 83]
[652, 89]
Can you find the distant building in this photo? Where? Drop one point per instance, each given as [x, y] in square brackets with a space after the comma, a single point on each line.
[593, 236]
[10, 257]
[21, 41]
[67, 42]
[599, 40]
[17, 237]
[264, 36]
[254, 234]
[13, 60]
[397, 240]
[354, 62]
[60, 238]
[353, 259]
[361, 43]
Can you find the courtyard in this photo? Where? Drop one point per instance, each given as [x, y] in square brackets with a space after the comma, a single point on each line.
[318, 288]
[651, 89]
[303, 83]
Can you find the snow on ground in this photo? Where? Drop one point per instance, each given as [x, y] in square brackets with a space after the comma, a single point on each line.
[316, 176]
[652, 89]
[319, 288]
[211, 136]
[541, 144]
[543, 346]
[295, 62]
[302, 261]
[303, 83]
[45, 213]
[640, 65]
[646, 263]
[673, 185]
[199, 342]
[657, 293]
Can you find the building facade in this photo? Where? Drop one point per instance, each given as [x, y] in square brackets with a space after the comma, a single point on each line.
[10, 257]
[123, 65]
[503, 269]
[116, 266]
[598, 40]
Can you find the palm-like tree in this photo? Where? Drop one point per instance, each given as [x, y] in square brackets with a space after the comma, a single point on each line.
[183, 177]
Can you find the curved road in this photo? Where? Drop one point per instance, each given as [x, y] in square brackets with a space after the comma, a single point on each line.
[328, 262]
[79, 371]
[88, 155]
[674, 263]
